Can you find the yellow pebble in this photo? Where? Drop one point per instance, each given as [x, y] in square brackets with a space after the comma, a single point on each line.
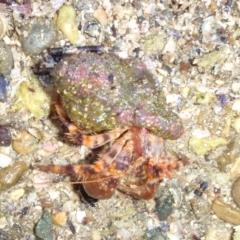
[67, 24]
[59, 219]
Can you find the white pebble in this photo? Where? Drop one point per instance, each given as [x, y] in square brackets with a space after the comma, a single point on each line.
[123, 55]
[123, 234]
[185, 115]
[172, 98]
[236, 86]
[53, 194]
[236, 105]
[149, 224]
[201, 133]
[80, 215]
[170, 47]
[32, 197]
[173, 234]
[217, 109]
[5, 160]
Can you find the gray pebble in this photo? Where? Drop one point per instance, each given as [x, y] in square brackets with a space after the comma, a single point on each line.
[44, 227]
[40, 36]
[164, 207]
[154, 234]
[6, 59]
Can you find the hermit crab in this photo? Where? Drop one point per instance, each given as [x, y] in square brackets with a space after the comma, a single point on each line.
[108, 100]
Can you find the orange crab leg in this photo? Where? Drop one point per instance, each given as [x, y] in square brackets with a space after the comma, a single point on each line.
[83, 169]
[103, 176]
[108, 180]
[79, 137]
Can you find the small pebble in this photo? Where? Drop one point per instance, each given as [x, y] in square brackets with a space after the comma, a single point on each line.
[50, 146]
[67, 24]
[236, 105]
[203, 186]
[203, 145]
[25, 143]
[92, 29]
[235, 192]
[229, 155]
[101, 15]
[154, 234]
[44, 227]
[34, 97]
[235, 86]
[41, 35]
[5, 137]
[6, 58]
[200, 207]
[164, 207]
[222, 99]
[5, 160]
[80, 215]
[201, 133]
[17, 194]
[71, 226]
[3, 88]
[226, 212]
[10, 175]
[59, 219]
[153, 44]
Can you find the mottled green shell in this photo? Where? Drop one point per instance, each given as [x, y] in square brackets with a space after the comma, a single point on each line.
[103, 92]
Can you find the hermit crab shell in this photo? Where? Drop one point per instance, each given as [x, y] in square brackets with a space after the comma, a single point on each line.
[6, 21]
